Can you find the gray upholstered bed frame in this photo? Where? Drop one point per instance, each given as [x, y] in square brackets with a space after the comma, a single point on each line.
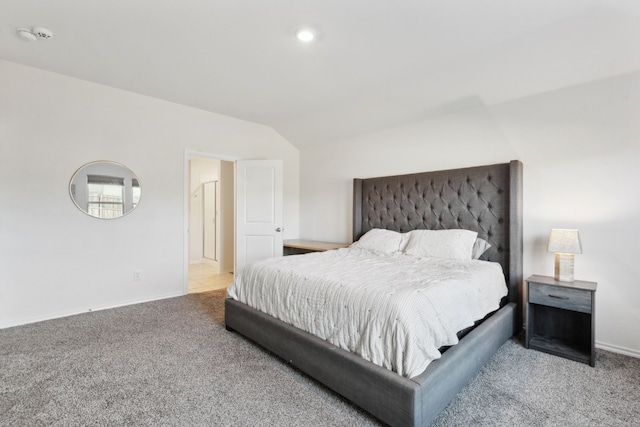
[486, 199]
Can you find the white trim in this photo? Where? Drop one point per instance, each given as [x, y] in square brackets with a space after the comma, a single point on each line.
[185, 213]
[75, 313]
[617, 349]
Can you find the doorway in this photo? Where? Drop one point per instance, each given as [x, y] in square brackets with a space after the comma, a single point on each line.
[211, 219]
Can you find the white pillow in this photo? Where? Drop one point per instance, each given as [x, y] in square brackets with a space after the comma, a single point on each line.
[451, 244]
[479, 247]
[379, 240]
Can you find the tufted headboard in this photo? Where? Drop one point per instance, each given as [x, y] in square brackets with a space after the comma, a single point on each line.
[486, 199]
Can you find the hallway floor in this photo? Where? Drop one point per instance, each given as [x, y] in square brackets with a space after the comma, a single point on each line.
[204, 278]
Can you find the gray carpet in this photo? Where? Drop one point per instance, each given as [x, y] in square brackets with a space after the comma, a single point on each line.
[172, 362]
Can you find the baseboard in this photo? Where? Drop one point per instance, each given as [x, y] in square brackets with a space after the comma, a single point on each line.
[617, 349]
[74, 313]
[212, 262]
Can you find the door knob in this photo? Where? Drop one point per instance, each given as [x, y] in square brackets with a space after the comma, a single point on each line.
[278, 229]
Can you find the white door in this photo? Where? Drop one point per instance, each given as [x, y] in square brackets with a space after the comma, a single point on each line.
[258, 210]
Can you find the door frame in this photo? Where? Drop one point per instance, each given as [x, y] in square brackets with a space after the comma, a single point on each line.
[188, 154]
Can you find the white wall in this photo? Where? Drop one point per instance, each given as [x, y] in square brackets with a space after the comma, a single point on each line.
[580, 147]
[54, 259]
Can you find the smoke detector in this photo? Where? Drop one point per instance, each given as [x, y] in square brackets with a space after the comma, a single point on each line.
[36, 33]
[42, 33]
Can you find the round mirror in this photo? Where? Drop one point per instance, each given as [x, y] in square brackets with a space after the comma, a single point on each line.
[105, 190]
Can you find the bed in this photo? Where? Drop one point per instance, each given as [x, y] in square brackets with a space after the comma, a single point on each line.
[484, 199]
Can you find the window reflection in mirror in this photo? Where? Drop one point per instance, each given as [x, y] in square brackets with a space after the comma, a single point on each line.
[105, 190]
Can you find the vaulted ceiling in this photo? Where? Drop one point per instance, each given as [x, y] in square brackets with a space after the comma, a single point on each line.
[374, 63]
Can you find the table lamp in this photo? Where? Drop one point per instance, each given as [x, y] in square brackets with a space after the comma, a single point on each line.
[564, 243]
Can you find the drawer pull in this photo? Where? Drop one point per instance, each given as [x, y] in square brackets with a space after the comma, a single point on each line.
[558, 297]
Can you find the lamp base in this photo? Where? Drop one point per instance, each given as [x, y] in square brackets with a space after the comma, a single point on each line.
[564, 267]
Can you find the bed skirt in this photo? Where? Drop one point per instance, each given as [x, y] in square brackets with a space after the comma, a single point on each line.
[394, 399]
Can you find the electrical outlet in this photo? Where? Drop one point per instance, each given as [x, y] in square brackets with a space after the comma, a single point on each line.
[137, 275]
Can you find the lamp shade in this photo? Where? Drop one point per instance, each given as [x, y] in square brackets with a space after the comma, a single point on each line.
[564, 241]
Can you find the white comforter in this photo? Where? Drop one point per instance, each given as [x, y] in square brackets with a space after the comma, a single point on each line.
[393, 310]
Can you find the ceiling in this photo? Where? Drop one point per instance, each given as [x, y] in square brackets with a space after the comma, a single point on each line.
[375, 64]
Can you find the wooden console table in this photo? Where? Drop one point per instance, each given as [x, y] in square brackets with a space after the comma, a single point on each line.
[295, 247]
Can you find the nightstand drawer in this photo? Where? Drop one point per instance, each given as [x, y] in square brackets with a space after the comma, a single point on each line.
[565, 298]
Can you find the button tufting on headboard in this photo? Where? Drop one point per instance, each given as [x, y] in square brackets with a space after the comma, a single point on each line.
[472, 198]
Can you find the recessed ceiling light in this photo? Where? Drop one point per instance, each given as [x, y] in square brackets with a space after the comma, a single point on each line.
[305, 35]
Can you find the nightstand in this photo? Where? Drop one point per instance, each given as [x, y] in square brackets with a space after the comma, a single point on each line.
[561, 318]
[295, 247]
